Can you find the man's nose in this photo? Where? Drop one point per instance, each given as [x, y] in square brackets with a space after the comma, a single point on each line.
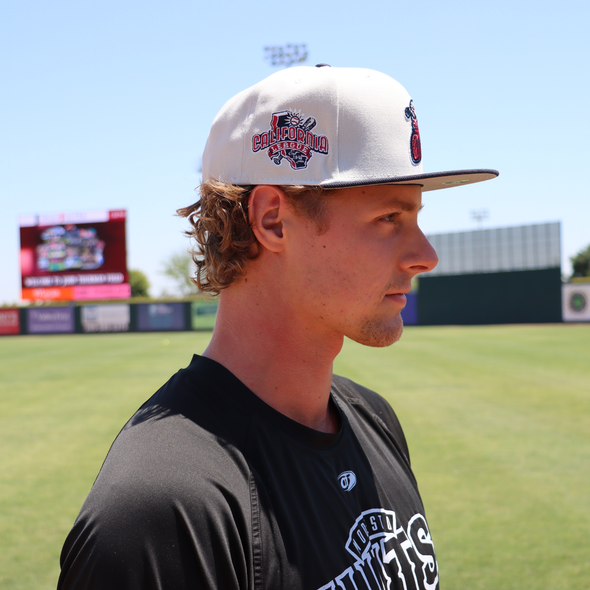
[422, 257]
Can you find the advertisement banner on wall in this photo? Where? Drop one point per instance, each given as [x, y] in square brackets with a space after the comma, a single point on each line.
[63, 255]
[105, 318]
[51, 320]
[9, 321]
[576, 302]
[160, 316]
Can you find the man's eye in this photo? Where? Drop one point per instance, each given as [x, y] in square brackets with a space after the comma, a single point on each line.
[391, 217]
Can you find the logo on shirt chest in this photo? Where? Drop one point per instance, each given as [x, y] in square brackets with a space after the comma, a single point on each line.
[347, 480]
[388, 554]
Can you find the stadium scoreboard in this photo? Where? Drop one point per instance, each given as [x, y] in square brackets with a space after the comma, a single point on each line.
[74, 256]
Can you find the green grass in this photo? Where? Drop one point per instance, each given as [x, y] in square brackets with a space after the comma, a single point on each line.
[497, 417]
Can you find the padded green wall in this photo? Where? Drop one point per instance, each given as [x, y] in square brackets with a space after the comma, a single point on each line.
[516, 297]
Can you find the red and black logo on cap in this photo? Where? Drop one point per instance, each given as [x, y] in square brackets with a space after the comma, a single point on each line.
[415, 147]
[290, 138]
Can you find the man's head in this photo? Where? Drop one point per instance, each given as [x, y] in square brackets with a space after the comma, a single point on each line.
[311, 132]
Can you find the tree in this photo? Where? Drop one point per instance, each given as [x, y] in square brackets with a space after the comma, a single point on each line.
[179, 268]
[140, 285]
[581, 263]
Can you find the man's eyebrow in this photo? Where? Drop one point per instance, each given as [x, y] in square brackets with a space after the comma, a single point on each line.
[403, 205]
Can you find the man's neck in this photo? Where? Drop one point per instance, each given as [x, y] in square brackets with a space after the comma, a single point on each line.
[282, 361]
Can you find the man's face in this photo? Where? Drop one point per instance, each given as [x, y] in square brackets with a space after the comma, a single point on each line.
[351, 280]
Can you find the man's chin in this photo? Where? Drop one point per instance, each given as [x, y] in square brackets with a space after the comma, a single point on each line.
[379, 334]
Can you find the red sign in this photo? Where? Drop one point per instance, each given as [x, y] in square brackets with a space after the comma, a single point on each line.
[9, 321]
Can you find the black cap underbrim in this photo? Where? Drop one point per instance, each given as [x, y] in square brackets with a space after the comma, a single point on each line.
[431, 181]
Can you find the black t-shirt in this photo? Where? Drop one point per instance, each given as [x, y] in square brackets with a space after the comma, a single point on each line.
[208, 487]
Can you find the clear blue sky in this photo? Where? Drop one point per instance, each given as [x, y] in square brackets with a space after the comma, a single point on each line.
[108, 104]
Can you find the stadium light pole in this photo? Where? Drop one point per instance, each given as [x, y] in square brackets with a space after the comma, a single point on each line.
[479, 215]
[286, 55]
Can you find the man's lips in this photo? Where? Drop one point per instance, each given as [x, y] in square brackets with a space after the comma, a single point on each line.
[398, 295]
[399, 291]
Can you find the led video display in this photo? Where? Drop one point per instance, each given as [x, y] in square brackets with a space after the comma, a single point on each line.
[70, 255]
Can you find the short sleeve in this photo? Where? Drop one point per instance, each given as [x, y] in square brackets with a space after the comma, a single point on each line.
[163, 515]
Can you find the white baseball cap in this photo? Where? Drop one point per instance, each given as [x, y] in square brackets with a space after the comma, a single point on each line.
[323, 126]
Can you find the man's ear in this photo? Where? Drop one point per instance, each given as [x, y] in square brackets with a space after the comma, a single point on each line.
[267, 206]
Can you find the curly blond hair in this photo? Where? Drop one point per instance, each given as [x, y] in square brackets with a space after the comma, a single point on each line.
[223, 234]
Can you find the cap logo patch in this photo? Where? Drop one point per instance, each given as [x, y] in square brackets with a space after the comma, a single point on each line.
[290, 138]
[415, 147]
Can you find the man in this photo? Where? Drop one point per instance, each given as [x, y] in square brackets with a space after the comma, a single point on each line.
[256, 467]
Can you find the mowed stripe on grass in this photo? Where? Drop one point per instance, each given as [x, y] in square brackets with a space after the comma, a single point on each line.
[497, 417]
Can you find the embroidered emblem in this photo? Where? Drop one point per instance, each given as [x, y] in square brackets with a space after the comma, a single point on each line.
[415, 147]
[290, 138]
[347, 480]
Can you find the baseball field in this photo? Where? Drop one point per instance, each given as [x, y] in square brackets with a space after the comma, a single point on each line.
[497, 418]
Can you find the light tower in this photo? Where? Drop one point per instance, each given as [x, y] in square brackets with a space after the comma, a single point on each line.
[286, 55]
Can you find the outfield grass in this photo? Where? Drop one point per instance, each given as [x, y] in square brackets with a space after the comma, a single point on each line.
[498, 421]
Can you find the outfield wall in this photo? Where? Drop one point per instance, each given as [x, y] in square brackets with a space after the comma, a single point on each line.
[490, 298]
[156, 316]
[109, 318]
[515, 297]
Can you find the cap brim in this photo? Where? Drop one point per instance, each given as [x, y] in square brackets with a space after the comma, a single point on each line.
[431, 181]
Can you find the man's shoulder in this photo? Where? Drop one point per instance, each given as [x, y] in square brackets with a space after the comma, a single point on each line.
[187, 436]
[357, 393]
[371, 408]
[203, 401]
[172, 499]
